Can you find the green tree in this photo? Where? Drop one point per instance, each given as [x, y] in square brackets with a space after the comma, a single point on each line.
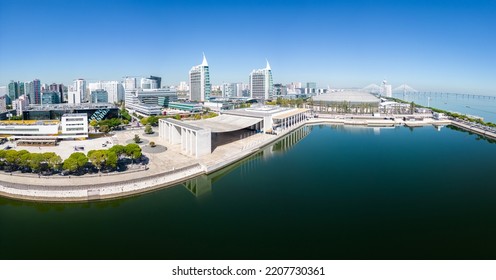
[144, 121]
[299, 102]
[52, 160]
[97, 158]
[133, 151]
[177, 117]
[118, 150]
[111, 123]
[94, 123]
[12, 158]
[148, 129]
[125, 115]
[136, 139]
[70, 164]
[36, 161]
[112, 160]
[152, 120]
[24, 160]
[104, 128]
[75, 162]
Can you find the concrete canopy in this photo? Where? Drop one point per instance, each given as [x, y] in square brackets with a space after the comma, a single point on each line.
[225, 123]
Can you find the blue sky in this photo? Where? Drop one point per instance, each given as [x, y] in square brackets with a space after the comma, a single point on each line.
[430, 45]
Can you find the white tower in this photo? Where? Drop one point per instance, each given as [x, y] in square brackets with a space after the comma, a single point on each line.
[261, 85]
[199, 82]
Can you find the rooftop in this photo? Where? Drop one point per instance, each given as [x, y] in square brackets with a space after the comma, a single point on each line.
[290, 113]
[349, 96]
[66, 106]
[75, 115]
[225, 123]
[30, 122]
[257, 111]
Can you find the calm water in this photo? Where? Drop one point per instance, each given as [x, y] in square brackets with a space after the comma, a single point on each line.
[336, 193]
[482, 107]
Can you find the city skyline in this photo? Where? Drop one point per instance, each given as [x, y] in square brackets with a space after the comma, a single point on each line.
[430, 45]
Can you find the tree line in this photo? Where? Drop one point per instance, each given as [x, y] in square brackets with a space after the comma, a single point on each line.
[77, 163]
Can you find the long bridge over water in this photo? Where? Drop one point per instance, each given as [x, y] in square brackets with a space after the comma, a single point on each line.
[408, 90]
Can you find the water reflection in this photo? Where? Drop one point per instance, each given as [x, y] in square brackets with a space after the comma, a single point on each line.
[201, 185]
[290, 140]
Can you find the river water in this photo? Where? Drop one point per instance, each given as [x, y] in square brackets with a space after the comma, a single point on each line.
[465, 104]
[326, 192]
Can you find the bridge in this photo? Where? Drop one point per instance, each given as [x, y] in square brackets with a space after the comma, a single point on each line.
[408, 90]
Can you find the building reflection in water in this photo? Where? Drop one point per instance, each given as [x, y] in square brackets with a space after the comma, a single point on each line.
[202, 184]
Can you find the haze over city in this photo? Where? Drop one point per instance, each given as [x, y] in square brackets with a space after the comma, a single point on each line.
[430, 45]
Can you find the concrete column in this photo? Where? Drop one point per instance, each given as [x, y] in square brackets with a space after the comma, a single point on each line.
[183, 139]
[195, 144]
[191, 140]
[186, 136]
[166, 132]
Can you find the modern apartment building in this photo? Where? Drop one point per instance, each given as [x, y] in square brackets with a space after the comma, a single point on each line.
[261, 85]
[114, 89]
[78, 93]
[199, 81]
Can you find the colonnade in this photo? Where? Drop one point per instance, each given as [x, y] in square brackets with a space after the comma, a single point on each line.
[189, 136]
[290, 121]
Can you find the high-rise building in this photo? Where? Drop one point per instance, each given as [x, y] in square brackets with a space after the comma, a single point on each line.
[78, 95]
[239, 89]
[50, 97]
[232, 90]
[146, 83]
[386, 89]
[36, 96]
[261, 85]
[3, 103]
[77, 92]
[114, 89]
[280, 89]
[99, 96]
[20, 104]
[13, 88]
[29, 89]
[199, 82]
[45, 87]
[130, 83]
[183, 86]
[226, 90]
[22, 90]
[58, 88]
[158, 80]
[311, 88]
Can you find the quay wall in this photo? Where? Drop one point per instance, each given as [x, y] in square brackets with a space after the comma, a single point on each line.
[474, 129]
[97, 191]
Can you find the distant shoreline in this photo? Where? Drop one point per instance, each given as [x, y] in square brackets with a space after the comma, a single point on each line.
[145, 182]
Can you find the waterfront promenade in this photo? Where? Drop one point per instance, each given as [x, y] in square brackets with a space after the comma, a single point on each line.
[170, 167]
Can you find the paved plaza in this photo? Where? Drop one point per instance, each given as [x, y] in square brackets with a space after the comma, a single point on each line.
[167, 157]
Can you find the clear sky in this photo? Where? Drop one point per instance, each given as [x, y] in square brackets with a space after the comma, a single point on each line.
[430, 45]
